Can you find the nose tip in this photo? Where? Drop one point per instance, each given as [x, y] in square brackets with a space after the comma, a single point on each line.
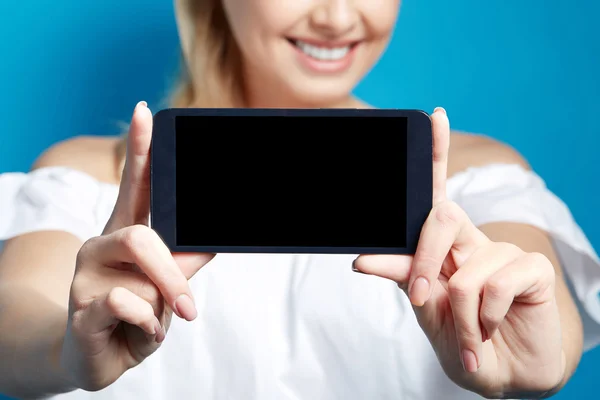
[335, 16]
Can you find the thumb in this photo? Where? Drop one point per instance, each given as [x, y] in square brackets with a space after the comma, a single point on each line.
[133, 202]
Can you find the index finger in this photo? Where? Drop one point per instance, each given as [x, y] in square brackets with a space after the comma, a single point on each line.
[441, 145]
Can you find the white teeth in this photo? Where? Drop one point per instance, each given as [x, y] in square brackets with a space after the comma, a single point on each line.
[323, 53]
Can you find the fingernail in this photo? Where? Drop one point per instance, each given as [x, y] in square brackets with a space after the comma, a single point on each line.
[469, 361]
[356, 269]
[440, 109]
[419, 292]
[484, 335]
[160, 337]
[185, 308]
[159, 332]
[141, 104]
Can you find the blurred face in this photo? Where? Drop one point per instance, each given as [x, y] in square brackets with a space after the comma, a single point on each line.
[308, 52]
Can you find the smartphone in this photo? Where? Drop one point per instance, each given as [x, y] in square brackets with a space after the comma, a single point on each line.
[334, 181]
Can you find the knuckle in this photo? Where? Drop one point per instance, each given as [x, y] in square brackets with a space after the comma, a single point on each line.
[115, 299]
[448, 213]
[460, 289]
[543, 265]
[539, 260]
[426, 261]
[489, 318]
[496, 288]
[85, 252]
[510, 249]
[468, 335]
[135, 237]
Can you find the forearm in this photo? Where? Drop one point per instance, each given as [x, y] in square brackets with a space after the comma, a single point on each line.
[32, 329]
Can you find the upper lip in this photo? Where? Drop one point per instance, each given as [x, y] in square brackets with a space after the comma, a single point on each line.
[325, 43]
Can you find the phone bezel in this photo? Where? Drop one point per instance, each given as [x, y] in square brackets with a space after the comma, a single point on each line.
[163, 183]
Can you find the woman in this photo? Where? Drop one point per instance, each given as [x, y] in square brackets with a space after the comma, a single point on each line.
[89, 291]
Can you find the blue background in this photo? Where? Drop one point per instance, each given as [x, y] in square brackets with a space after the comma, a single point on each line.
[525, 72]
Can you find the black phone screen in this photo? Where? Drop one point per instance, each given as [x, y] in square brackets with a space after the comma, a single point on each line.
[314, 181]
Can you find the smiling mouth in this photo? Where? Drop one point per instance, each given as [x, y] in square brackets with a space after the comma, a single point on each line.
[323, 53]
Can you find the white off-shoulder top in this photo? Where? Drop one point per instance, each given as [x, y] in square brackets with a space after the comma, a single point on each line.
[282, 326]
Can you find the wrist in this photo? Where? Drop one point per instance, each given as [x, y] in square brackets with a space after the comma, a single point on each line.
[62, 365]
[564, 378]
[37, 371]
[543, 390]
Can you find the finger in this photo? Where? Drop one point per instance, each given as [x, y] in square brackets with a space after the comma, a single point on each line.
[394, 267]
[440, 126]
[140, 245]
[133, 202]
[447, 227]
[103, 280]
[464, 290]
[119, 304]
[191, 263]
[529, 278]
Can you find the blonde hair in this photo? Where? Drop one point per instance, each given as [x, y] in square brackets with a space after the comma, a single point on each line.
[210, 73]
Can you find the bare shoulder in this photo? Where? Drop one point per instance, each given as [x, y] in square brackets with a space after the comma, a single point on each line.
[474, 150]
[94, 155]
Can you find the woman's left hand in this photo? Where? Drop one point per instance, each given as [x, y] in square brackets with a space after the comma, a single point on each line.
[488, 308]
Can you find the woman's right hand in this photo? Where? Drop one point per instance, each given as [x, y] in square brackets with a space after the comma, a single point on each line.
[127, 283]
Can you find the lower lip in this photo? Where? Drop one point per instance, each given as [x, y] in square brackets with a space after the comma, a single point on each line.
[325, 66]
